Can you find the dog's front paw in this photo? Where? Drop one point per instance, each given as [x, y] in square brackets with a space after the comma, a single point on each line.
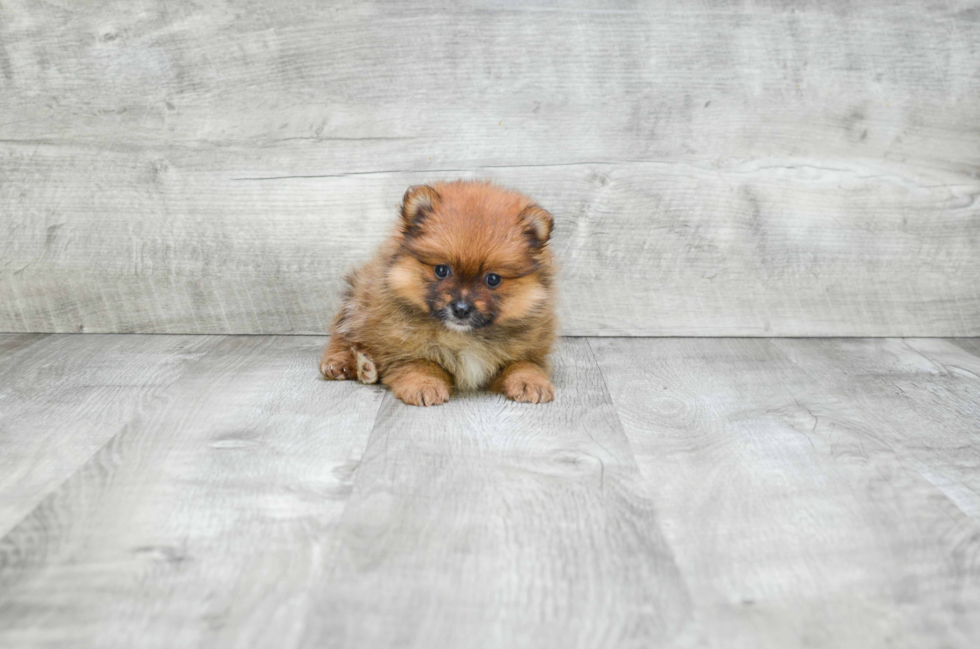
[339, 365]
[531, 391]
[527, 384]
[422, 391]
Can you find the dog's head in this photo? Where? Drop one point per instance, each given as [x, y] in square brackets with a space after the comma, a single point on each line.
[472, 254]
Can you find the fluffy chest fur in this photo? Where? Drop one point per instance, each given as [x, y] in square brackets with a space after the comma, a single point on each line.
[471, 365]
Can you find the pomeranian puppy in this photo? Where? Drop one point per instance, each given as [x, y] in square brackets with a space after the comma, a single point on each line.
[461, 296]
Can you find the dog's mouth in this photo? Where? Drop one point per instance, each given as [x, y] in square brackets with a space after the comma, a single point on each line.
[473, 321]
[455, 325]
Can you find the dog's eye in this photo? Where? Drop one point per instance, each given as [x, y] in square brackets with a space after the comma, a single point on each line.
[443, 271]
[492, 280]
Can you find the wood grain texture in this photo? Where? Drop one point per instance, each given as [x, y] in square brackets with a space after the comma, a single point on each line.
[488, 523]
[716, 168]
[678, 493]
[63, 397]
[221, 518]
[203, 522]
[794, 519]
[971, 345]
[11, 344]
[924, 393]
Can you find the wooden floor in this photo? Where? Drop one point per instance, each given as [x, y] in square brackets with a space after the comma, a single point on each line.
[193, 491]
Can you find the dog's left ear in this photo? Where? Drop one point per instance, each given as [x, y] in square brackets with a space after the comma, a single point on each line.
[418, 203]
[539, 223]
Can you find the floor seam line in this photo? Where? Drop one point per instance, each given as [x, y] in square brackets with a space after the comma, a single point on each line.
[123, 427]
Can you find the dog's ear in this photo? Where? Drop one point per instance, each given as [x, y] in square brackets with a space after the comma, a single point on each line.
[418, 203]
[538, 223]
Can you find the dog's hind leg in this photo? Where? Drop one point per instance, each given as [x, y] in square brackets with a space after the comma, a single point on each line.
[367, 371]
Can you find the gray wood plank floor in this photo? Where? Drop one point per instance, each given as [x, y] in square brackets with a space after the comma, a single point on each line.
[194, 491]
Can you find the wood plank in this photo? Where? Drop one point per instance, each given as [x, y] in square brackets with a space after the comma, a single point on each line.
[928, 408]
[381, 85]
[756, 170]
[642, 247]
[958, 358]
[11, 344]
[203, 522]
[486, 523]
[971, 345]
[64, 397]
[793, 520]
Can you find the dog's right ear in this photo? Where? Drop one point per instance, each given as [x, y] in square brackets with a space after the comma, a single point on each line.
[419, 202]
[539, 223]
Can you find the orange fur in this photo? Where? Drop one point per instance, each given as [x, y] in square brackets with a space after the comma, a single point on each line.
[395, 313]
[523, 381]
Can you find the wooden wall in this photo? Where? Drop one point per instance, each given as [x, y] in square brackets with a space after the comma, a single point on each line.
[716, 167]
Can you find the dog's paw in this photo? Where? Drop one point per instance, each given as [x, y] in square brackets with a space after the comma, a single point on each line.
[339, 366]
[528, 387]
[422, 391]
[367, 371]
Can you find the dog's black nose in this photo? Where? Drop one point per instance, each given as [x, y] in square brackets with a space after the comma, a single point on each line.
[462, 310]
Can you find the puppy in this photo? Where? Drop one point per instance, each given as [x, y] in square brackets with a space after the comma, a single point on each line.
[461, 296]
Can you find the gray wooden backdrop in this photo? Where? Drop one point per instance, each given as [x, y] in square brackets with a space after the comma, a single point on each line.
[716, 167]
